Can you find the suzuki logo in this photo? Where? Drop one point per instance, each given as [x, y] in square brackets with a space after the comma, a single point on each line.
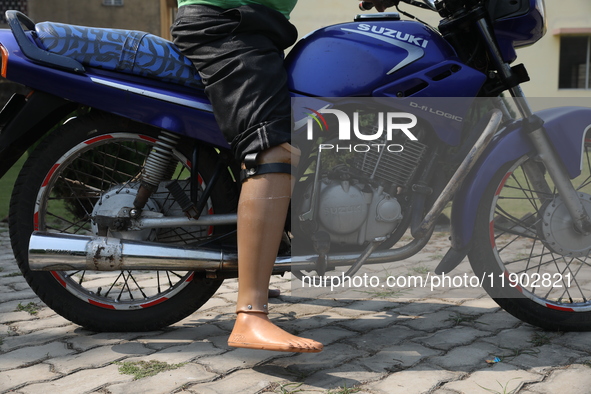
[411, 44]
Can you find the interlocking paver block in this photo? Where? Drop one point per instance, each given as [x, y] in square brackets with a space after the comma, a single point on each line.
[246, 381]
[79, 382]
[97, 357]
[394, 358]
[31, 354]
[417, 380]
[500, 378]
[452, 337]
[16, 377]
[164, 382]
[376, 339]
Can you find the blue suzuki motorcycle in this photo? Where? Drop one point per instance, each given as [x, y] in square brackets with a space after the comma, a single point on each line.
[123, 217]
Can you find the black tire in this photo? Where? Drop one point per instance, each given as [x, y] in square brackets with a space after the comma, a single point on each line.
[92, 158]
[534, 264]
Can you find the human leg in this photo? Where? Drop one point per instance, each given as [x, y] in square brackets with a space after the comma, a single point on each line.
[240, 58]
[262, 210]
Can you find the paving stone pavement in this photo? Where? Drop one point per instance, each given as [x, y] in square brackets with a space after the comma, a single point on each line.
[374, 343]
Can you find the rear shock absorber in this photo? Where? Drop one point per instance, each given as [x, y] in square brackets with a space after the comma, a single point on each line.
[159, 166]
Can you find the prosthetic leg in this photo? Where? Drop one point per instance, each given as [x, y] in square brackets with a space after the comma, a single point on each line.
[262, 208]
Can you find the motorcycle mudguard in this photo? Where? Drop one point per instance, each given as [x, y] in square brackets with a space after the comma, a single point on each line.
[566, 128]
[39, 114]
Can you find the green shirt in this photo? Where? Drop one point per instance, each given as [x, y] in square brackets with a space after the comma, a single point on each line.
[283, 6]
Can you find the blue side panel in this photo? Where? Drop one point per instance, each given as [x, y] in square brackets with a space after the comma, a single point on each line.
[566, 128]
[446, 79]
[448, 87]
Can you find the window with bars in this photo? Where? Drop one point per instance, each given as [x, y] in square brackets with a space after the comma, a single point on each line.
[113, 2]
[575, 62]
[5, 5]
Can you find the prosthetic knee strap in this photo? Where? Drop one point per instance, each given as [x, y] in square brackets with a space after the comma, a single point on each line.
[258, 164]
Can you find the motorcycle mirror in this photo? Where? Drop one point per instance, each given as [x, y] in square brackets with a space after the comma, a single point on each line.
[430, 4]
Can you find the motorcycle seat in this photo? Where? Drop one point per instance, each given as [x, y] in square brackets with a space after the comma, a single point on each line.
[125, 51]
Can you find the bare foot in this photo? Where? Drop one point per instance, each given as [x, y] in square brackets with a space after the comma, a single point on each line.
[255, 331]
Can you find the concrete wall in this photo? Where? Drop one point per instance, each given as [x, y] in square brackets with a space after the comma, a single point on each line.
[141, 15]
[542, 59]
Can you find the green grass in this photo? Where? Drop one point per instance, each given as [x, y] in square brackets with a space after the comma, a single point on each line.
[142, 369]
[6, 184]
[30, 308]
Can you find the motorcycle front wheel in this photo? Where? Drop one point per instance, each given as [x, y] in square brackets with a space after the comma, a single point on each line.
[533, 262]
[91, 165]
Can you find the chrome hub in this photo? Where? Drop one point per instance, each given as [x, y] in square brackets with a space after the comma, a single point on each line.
[558, 231]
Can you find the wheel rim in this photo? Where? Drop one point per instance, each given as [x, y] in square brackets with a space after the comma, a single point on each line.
[536, 252]
[92, 170]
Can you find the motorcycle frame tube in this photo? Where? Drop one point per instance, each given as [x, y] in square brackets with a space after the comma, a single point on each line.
[180, 221]
[565, 127]
[460, 174]
[51, 252]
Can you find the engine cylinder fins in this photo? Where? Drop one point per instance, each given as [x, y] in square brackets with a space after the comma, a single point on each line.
[397, 168]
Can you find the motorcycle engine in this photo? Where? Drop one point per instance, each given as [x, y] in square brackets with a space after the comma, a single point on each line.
[358, 202]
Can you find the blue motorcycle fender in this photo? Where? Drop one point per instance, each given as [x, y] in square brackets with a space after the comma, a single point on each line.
[566, 128]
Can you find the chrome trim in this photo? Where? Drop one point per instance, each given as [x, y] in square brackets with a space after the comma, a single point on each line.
[153, 94]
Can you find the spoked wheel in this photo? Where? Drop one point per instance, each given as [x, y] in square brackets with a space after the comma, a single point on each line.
[89, 167]
[535, 264]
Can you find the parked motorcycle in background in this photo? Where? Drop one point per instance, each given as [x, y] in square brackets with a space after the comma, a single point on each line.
[123, 217]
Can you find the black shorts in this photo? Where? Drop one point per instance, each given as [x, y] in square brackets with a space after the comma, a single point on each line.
[239, 55]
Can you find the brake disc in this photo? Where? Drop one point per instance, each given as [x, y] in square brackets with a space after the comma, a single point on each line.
[558, 231]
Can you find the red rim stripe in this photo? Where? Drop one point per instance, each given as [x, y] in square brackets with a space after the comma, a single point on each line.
[502, 185]
[559, 308]
[156, 302]
[100, 304]
[97, 139]
[50, 174]
[58, 278]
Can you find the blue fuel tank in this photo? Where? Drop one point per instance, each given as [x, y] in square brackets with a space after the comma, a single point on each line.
[380, 58]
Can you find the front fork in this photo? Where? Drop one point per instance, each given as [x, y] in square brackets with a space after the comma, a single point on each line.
[559, 175]
[555, 167]
[539, 139]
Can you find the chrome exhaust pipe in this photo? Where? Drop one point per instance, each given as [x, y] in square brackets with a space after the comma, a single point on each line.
[67, 252]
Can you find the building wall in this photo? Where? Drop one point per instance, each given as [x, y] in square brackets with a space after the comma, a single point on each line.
[141, 15]
[542, 59]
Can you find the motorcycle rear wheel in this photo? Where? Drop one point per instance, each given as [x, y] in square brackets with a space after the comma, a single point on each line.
[535, 265]
[72, 172]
